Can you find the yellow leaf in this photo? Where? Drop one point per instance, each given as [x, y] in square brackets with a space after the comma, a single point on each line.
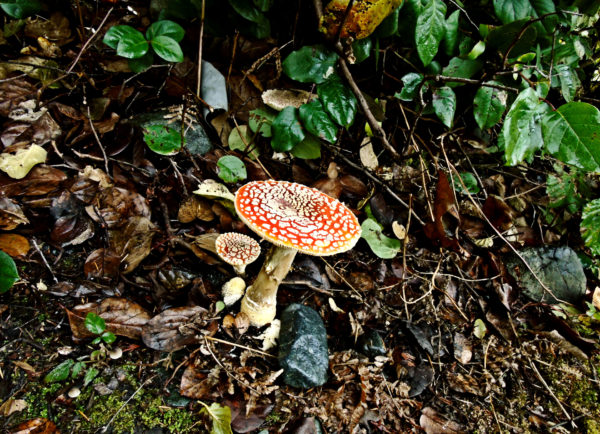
[17, 166]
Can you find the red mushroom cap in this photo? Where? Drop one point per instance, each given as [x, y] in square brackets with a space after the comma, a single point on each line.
[236, 249]
[298, 217]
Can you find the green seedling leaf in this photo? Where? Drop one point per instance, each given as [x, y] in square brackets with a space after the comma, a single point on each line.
[317, 121]
[411, 82]
[21, 8]
[338, 100]
[220, 416]
[115, 34]
[569, 81]
[479, 328]
[165, 28]
[260, 121]
[132, 43]
[142, 63]
[476, 51]
[451, 32]
[382, 246]
[431, 27]
[59, 373]
[470, 182]
[219, 306]
[310, 64]
[8, 272]
[108, 337]
[522, 129]
[572, 134]
[77, 369]
[489, 106]
[444, 105]
[590, 226]
[231, 169]
[287, 131]
[94, 323]
[96, 340]
[163, 139]
[307, 149]
[240, 139]
[167, 48]
[89, 376]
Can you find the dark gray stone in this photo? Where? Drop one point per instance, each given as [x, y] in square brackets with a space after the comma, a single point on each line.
[371, 344]
[558, 267]
[303, 347]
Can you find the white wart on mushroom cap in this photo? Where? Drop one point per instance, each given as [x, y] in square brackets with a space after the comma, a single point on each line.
[298, 217]
[237, 249]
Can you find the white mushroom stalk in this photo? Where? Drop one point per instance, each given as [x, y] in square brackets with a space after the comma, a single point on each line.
[295, 218]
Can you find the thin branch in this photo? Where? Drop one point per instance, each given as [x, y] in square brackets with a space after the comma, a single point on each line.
[439, 77]
[89, 41]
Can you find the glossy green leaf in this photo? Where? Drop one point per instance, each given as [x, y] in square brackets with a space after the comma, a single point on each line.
[260, 121]
[90, 375]
[21, 8]
[77, 369]
[163, 139]
[8, 272]
[287, 130]
[231, 169]
[444, 104]
[165, 28]
[220, 417]
[167, 48]
[132, 44]
[502, 37]
[115, 34]
[522, 129]
[142, 63]
[411, 82]
[572, 134]
[247, 10]
[508, 11]
[60, 372]
[307, 149]
[108, 337]
[461, 68]
[590, 226]
[569, 81]
[476, 51]
[382, 246]
[338, 100]
[94, 323]
[317, 121]
[362, 49]
[451, 32]
[489, 105]
[310, 64]
[431, 28]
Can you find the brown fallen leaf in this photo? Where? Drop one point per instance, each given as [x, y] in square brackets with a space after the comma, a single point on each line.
[39, 425]
[132, 243]
[197, 384]
[463, 348]
[102, 263]
[122, 317]
[12, 93]
[11, 214]
[433, 423]
[40, 181]
[11, 406]
[25, 366]
[72, 225]
[113, 206]
[174, 328]
[464, 383]
[194, 208]
[57, 28]
[498, 212]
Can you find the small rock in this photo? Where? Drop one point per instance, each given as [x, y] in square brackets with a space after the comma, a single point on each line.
[303, 347]
[558, 267]
[102, 389]
[371, 344]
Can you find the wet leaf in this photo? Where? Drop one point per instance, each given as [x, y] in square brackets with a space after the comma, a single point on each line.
[382, 246]
[220, 416]
[18, 165]
[11, 214]
[317, 121]
[411, 82]
[94, 323]
[133, 242]
[310, 64]
[431, 27]
[174, 328]
[489, 105]
[113, 206]
[362, 19]
[197, 384]
[38, 425]
[338, 100]
[21, 8]
[163, 140]
[260, 121]
[102, 263]
[8, 272]
[240, 139]
[287, 130]
[14, 244]
[444, 105]
[40, 181]
[60, 372]
[307, 149]
[14, 92]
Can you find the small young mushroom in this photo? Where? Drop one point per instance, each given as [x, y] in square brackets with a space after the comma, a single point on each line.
[294, 218]
[238, 250]
[233, 290]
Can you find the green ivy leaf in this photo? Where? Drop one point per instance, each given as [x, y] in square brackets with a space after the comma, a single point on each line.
[94, 323]
[522, 129]
[444, 105]
[461, 68]
[231, 169]
[317, 121]
[21, 8]
[572, 134]
[569, 81]
[165, 28]
[240, 139]
[590, 226]
[167, 48]
[431, 27]
[307, 149]
[451, 32]
[59, 373]
[411, 82]
[382, 246]
[8, 272]
[310, 64]
[489, 106]
[220, 416]
[287, 130]
[163, 139]
[132, 43]
[338, 100]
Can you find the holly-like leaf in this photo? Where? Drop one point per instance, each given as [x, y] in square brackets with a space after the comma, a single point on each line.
[231, 169]
[310, 64]
[444, 105]
[220, 416]
[338, 100]
[317, 121]
[488, 106]
[307, 149]
[132, 43]
[382, 246]
[165, 28]
[286, 129]
[163, 139]
[95, 323]
[572, 134]
[8, 272]
[590, 226]
[522, 129]
[167, 48]
[431, 27]
[59, 373]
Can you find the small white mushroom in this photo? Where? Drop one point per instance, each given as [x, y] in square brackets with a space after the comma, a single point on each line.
[233, 290]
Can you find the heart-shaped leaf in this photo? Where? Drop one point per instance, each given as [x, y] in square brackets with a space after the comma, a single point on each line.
[167, 48]
[165, 28]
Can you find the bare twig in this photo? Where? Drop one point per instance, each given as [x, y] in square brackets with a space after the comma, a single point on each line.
[563, 409]
[201, 37]
[88, 42]
[37, 248]
[439, 77]
[89, 113]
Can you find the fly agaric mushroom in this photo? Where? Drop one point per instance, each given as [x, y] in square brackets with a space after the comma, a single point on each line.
[294, 218]
[238, 250]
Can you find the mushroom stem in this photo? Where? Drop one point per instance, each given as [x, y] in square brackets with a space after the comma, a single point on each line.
[261, 298]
